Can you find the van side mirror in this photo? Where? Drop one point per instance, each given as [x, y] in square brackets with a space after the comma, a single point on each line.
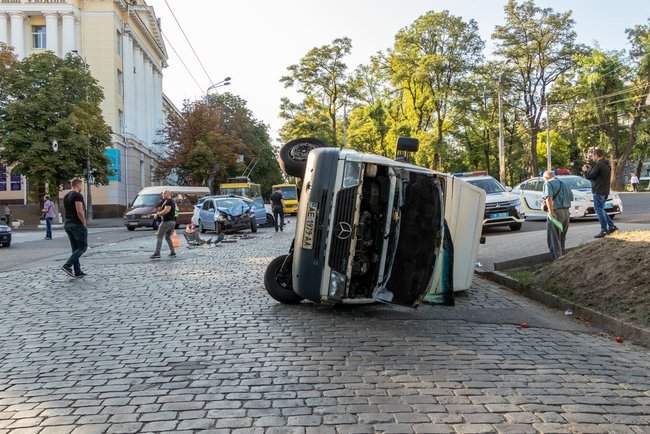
[405, 148]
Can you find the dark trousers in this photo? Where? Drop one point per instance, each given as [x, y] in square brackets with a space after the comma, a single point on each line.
[555, 238]
[165, 231]
[278, 217]
[78, 235]
[606, 223]
[635, 187]
[48, 227]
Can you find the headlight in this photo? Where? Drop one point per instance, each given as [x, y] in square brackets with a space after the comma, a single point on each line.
[351, 174]
[337, 284]
[516, 202]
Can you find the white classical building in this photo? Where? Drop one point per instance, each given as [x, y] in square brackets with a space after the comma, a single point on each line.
[122, 43]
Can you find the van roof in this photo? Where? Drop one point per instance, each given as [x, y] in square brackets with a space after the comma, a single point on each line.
[174, 189]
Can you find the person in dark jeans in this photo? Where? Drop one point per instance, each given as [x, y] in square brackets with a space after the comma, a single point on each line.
[167, 212]
[48, 215]
[278, 210]
[599, 174]
[75, 228]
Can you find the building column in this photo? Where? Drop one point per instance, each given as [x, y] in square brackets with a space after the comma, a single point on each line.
[158, 106]
[129, 84]
[140, 94]
[69, 43]
[18, 33]
[4, 28]
[52, 32]
[148, 70]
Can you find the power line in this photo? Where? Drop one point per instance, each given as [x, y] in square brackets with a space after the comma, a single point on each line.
[189, 43]
[620, 92]
[183, 62]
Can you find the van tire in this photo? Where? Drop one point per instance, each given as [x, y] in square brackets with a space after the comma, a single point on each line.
[293, 155]
[278, 291]
[130, 228]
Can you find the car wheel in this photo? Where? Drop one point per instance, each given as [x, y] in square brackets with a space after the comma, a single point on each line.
[201, 228]
[515, 227]
[293, 155]
[270, 221]
[253, 226]
[277, 280]
[130, 228]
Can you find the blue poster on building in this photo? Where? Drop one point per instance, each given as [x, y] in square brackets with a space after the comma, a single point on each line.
[115, 164]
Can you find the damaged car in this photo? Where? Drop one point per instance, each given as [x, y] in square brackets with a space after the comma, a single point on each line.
[374, 229]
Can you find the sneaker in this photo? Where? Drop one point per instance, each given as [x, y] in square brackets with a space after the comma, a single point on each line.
[80, 275]
[612, 230]
[601, 235]
[172, 255]
[68, 270]
[155, 256]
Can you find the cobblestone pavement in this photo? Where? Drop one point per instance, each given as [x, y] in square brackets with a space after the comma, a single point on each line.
[196, 344]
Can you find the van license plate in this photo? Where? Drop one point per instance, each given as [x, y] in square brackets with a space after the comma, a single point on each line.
[310, 226]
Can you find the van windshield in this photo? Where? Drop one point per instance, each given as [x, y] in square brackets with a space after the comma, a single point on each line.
[288, 193]
[148, 200]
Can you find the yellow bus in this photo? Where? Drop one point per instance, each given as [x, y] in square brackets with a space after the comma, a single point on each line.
[289, 197]
[241, 186]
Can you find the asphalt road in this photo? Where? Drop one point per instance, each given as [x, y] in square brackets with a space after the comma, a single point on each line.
[504, 245]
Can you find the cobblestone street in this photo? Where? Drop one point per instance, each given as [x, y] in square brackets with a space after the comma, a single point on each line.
[194, 343]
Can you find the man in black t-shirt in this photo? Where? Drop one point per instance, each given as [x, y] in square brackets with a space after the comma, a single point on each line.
[166, 212]
[278, 210]
[75, 228]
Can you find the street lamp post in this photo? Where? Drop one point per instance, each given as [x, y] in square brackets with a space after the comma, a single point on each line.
[222, 83]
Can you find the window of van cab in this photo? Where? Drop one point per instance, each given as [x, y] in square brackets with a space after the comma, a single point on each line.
[148, 200]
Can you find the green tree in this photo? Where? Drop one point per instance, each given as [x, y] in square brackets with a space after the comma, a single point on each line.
[429, 62]
[540, 45]
[53, 98]
[321, 78]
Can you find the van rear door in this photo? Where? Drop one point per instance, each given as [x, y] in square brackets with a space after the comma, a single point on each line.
[464, 211]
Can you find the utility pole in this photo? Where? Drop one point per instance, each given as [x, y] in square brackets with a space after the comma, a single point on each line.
[548, 138]
[502, 150]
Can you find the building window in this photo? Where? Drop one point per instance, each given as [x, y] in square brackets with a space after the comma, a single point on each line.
[3, 177]
[119, 42]
[38, 37]
[152, 174]
[16, 181]
[120, 83]
[120, 121]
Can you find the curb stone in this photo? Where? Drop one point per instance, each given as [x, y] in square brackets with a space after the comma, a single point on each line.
[614, 326]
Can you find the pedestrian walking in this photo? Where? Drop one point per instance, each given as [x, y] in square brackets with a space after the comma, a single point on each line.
[48, 216]
[75, 228]
[557, 198]
[278, 210]
[599, 174]
[7, 213]
[634, 180]
[167, 213]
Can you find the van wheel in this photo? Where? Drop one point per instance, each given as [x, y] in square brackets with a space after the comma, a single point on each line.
[277, 280]
[253, 225]
[130, 228]
[293, 155]
[515, 227]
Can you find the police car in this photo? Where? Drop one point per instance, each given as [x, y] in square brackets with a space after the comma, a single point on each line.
[502, 207]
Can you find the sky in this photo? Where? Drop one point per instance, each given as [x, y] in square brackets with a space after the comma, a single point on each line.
[253, 41]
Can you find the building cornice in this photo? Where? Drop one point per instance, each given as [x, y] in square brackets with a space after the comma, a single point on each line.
[151, 28]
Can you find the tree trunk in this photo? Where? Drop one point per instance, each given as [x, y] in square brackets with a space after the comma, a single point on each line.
[619, 180]
[534, 167]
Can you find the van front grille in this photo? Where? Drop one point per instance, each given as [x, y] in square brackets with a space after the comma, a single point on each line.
[320, 224]
[342, 229]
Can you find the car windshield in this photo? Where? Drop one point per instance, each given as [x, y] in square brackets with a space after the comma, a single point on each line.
[228, 203]
[149, 200]
[288, 193]
[491, 186]
[575, 182]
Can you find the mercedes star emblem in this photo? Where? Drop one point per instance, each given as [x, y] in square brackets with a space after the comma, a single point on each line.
[344, 231]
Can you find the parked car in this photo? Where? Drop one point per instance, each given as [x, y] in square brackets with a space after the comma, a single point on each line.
[5, 235]
[142, 210]
[225, 214]
[582, 206]
[502, 208]
[373, 229]
[262, 216]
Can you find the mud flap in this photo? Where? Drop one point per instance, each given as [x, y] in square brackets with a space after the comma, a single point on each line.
[443, 292]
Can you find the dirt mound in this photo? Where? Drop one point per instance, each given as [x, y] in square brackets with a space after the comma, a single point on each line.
[611, 275]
